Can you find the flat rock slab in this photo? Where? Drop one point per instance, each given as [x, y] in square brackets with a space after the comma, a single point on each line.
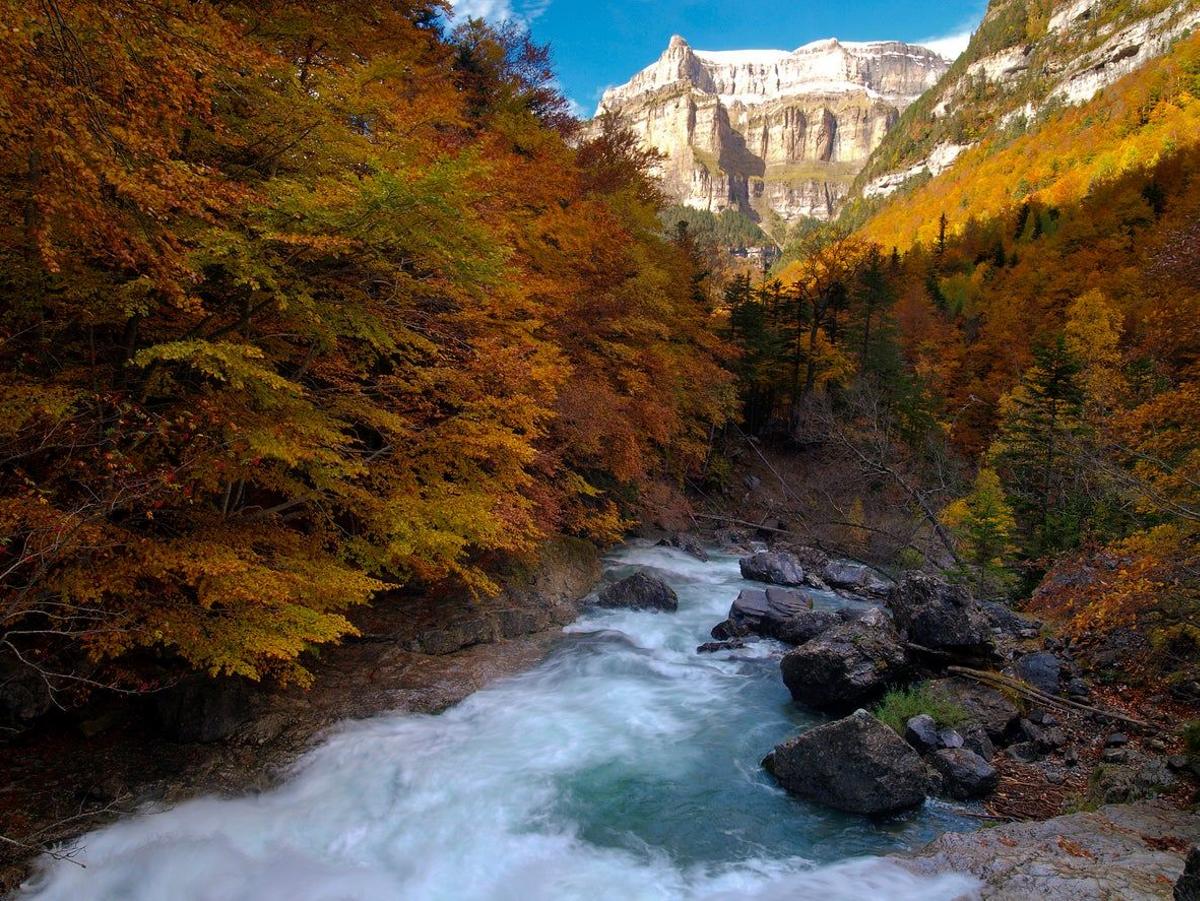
[1129, 852]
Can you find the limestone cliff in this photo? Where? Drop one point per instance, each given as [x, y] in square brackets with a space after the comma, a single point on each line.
[767, 130]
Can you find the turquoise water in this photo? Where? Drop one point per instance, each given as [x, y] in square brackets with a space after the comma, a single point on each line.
[625, 766]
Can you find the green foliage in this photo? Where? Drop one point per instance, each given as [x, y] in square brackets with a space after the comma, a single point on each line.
[984, 526]
[900, 705]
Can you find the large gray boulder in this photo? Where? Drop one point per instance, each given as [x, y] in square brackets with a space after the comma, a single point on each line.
[856, 764]
[846, 666]
[772, 567]
[806, 625]
[965, 775]
[641, 591]
[855, 577]
[1041, 669]
[944, 617]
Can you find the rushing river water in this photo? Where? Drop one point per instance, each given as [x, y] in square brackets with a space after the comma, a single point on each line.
[625, 766]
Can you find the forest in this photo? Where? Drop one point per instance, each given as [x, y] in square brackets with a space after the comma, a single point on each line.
[305, 306]
[303, 302]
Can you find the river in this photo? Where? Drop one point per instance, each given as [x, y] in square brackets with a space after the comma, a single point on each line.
[625, 766]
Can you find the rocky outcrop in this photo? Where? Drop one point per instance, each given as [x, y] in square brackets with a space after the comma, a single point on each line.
[856, 764]
[848, 665]
[641, 591]
[772, 567]
[769, 130]
[1132, 852]
[940, 616]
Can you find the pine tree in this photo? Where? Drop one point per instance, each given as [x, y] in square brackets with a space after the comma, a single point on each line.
[983, 524]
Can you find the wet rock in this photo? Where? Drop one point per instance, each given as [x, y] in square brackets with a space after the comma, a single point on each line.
[764, 612]
[965, 774]
[772, 567]
[855, 577]
[921, 732]
[976, 739]
[1041, 669]
[846, 666]
[641, 591]
[805, 626]
[689, 544]
[944, 617]
[1187, 887]
[983, 706]
[712, 647]
[856, 764]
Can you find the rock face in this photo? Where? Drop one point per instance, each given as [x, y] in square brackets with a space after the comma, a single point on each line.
[640, 591]
[856, 764]
[940, 616]
[1127, 852]
[772, 567]
[965, 774]
[767, 130]
[848, 665]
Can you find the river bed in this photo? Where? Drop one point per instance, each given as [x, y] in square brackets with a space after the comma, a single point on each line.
[625, 766]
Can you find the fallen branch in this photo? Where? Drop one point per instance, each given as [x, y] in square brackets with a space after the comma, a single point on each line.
[999, 680]
[743, 522]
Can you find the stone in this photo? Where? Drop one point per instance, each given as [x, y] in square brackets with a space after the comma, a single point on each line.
[763, 612]
[848, 665]
[983, 706]
[976, 739]
[1121, 853]
[921, 732]
[712, 647]
[856, 577]
[641, 591]
[941, 616]
[1004, 619]
[1078, 689]
[689, 544]
[855, 764]
[1114, 755]
[1187, 887]
[1025, 752]
[202, 709]
[1041, 669]
[1116, 740]
[966, 775]
[1054, 737]
[949, 738]
[772, 567]
[805, 626]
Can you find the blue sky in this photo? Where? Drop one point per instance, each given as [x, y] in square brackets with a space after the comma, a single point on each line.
[596, 45]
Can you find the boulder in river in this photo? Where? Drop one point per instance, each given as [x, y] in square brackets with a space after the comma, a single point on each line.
[689, 544]
[855, 577]
[806, 625]
[965, 775]
[713, 647]
[856, 764]
[941, 616]
[641, 591]
[846, 666]
[772, 567]
[762, 612]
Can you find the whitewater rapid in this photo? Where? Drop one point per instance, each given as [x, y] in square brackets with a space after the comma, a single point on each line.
[623, 767]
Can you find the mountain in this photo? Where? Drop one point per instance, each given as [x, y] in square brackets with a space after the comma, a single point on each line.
[767, 131]
[1027, 60]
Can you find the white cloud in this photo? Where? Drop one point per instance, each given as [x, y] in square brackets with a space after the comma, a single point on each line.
[950, 45]
[499, 10]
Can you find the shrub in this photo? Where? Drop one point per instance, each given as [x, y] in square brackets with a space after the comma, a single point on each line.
[901, 704]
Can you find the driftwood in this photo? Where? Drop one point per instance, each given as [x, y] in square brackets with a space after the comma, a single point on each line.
[999, 680]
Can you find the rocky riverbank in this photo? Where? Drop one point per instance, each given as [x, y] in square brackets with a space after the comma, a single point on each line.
[419, 655]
